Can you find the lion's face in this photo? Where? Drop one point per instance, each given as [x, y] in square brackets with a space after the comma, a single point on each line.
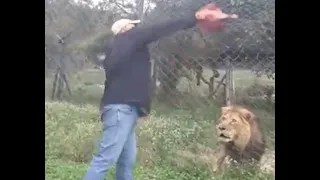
[239, 135]
[234, 126]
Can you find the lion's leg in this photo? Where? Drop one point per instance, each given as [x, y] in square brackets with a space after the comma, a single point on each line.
[220, 157]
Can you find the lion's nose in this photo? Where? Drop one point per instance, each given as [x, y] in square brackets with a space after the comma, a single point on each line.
[221, 128]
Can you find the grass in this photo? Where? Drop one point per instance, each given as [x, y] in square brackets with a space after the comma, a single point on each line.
[174, 144]
[61, 170]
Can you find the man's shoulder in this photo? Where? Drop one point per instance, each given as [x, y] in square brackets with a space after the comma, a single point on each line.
[122, 40]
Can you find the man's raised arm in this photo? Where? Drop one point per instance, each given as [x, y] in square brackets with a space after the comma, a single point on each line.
[146, 35]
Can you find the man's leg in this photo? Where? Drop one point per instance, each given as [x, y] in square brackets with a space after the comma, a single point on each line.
[118, 123]
[127, 159]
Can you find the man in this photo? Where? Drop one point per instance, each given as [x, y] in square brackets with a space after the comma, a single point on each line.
[126, 95]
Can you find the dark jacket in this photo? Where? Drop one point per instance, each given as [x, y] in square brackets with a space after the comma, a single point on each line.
[128, 66]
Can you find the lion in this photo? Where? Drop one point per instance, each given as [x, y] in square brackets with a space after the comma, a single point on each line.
[239, 136]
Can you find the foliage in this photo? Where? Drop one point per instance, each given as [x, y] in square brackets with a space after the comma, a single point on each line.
[72, 132]
[89, 23]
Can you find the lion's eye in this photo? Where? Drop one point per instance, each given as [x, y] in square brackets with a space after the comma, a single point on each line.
[233, 120]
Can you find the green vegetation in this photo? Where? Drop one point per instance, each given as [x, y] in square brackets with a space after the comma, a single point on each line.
[174, 144]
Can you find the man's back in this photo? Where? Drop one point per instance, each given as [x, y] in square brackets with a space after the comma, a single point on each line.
[128, 71]
[128, 66]
[126, 95]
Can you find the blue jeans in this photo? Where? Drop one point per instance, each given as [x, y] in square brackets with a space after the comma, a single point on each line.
[117, 145]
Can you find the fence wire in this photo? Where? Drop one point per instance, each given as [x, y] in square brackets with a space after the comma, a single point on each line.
[190, 69]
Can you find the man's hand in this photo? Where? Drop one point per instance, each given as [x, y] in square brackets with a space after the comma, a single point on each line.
[210, 17]
[211, 13]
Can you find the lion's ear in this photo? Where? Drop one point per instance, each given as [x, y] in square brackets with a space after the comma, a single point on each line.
[225, 109]
[247, 114]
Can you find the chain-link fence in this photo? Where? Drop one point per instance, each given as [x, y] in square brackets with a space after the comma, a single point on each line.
[190, 69]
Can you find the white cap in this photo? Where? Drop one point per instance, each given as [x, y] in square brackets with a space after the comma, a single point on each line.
[120, 24]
